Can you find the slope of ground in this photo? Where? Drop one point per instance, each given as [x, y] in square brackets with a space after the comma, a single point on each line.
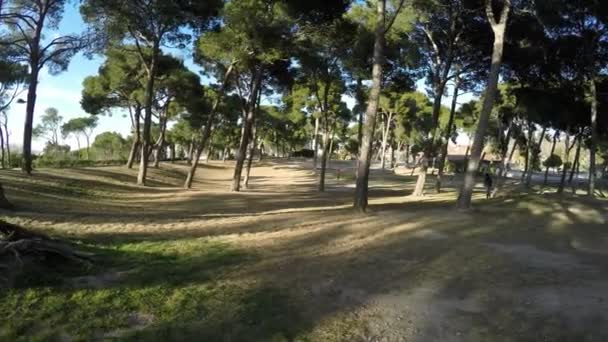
[282, 262]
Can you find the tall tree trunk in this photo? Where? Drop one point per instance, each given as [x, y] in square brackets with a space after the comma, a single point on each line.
[149, 100]
[88, 138]
[207, 129]
[562, 183]
[361, 191]
[422, 173]
[249, 117]
[407, 155]
[576, 164]
[250, 156]
[324, 153]
[385, 131]
[136, 138]
[315, 144]
[360, 101]
[160, 144]
[8, 142]
[533, 155]
[3, 157]
[594, 138]
[190, 155]
[498, 27]
[254, 138]
[528, 154]
[172, 153]
[448, 134]
[553, 144]
[29, 119]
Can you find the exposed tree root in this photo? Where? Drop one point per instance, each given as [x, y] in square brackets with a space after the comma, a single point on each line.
[17, 243]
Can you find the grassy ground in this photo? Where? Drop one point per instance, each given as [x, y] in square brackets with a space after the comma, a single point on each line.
[281, 262]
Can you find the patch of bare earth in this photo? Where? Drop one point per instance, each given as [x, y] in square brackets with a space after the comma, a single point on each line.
[411, 270]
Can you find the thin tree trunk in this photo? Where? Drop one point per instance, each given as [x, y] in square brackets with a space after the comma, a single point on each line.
[528, 153]
[535, 150]
[498, 27]
[594, 139]
[160, 144]
[360, 97]
[576, 164]
[8, 143]
[3, 161]
[254, 137]
[407, 155]
[562, 183]
[315, 144]
[149, 99]
[206, 134]
[136, 138]
[448, 134]
[361, 191]
[190, 155]
[29, 119]
[249, 117]
[324, 153]
[385, 131]
[172, 153]
[555, 135]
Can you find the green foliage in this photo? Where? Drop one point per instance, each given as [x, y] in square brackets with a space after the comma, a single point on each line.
[49, 127]
[110, 146]
[553, 161]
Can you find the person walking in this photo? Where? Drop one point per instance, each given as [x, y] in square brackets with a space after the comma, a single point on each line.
[487, 182]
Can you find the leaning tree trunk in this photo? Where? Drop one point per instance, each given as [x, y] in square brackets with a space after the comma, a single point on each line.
[315, 145]
[251, 153]
[249, 117]
[207, 130]
[576, 164]
[160, 144]
[533, 155]
[29, 121]
[136, 138]
[555, 135]
[562, 183]
[145, 146]
[324, 153]
[594, 139]
[499, 28]
[361, 191]
[385, 131]
[448, 134]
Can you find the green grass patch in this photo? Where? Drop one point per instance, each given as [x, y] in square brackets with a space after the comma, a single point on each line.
[177, 290]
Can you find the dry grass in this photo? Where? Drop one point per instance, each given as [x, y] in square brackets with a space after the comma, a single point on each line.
[281, 261]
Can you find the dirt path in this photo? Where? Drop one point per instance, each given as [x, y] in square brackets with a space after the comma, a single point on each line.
[521, 269]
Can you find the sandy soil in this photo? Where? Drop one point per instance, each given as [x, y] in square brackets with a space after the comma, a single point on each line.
[514, 269]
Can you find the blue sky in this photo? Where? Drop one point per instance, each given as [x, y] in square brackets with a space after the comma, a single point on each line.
[63, 91]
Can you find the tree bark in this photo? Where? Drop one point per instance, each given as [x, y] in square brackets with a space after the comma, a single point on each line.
[190, 155]
[360, 97]
[315, 144]
[594, 138]
[208, 126]
[324, 153]
[533, 155]
[136, 138]
[4, 202]
[555, 135]
[562, 183]
[576, 164]
[3, 157]
[361, 191]
[385, 132]
[160, 144]
[499, 28]
[448, 134]
[249, 117]
[29, 120]
[149, 99]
